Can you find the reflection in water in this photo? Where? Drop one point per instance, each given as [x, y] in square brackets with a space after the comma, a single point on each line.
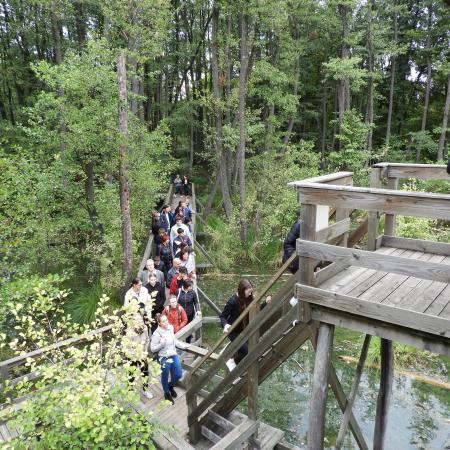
[419, 417]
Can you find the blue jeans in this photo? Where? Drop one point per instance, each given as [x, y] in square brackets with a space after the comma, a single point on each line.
[170, 365]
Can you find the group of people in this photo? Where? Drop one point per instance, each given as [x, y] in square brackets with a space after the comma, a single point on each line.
[182, 185]
[165, 296]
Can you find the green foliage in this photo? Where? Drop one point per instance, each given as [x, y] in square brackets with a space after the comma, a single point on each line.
[59, 204]
[270, 212]
[340, 69]
[404, 355]
[352, 136]
[84, 398]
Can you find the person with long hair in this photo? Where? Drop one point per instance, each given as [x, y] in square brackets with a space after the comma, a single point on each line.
[234, 307]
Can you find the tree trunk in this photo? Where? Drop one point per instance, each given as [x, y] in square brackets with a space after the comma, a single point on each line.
[344, 83]
[428, 83]
[228, 205]
[392, 83]
[324, 128]
[211, 197]
[440, 155]
[370, 84]
[243, 22]
[127, 239]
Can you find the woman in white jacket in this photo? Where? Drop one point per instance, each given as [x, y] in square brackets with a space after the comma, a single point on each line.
[165, 344]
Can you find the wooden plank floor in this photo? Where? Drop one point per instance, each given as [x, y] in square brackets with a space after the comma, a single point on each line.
[411, 293]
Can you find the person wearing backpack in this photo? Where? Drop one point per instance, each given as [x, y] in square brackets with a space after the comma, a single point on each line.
[176, 315]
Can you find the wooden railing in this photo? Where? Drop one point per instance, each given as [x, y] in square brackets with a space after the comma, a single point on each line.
[258, 336]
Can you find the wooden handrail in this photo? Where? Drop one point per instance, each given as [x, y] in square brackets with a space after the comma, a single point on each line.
[17, 360]
[246, 311]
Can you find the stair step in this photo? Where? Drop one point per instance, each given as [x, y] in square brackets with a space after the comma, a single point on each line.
[210, 435]
[239, 435]
[221, 421]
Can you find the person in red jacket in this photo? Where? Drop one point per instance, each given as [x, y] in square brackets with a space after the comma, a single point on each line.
[175, 314]
[177, 281]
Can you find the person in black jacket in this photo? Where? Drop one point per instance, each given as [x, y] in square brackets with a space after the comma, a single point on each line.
[157, 293]
[448, 167]
[289, 245]
[234, 307]
[187, 298]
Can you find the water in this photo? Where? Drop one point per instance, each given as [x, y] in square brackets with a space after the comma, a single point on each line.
[419, 416]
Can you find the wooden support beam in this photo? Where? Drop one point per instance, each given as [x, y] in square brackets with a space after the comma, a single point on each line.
[332, 178]
[317, 408]
[422, 171]
[384, 394]
[361, 324]
[358, 234]
[353, 391]
[341, 398]
[333, 231]
[418, 204]
[373, 260]
[378, 311]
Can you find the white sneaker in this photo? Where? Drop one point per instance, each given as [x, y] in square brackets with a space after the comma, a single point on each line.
[231, 364]
[148, 395]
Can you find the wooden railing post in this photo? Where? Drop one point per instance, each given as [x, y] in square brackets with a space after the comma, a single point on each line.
[308, 214]
[191, 400]
[253, 374]
[389, 222]
[374, 216]
[344, 213]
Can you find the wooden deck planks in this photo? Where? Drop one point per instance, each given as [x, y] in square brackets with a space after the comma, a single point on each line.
[425, 292]
[379, 291]
[441, 304]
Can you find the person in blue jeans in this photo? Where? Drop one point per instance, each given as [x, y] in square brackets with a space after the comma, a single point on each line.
[165, 344]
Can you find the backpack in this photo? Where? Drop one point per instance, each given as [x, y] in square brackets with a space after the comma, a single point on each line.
[167, 308]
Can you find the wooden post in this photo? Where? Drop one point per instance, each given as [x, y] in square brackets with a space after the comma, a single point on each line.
[252, 377]
[191, 400]
[384, 394]
[374, 216]
[389, 222]
[305, 272]
[317, 408]
[353, 390]
[343, 213]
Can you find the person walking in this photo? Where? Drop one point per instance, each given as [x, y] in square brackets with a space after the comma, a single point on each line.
[165, 345]
[135, 347]
[176, 315]
[234, 307]
[157, 294]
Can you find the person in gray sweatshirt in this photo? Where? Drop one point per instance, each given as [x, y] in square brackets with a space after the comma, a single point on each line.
[165, 344]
